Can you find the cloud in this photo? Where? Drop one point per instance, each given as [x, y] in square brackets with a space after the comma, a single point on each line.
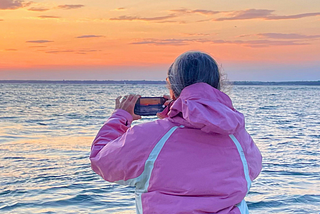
[198, 11]
[89, 36]
[86, 51]
[38, 9]
[245, 35]
[172, 42]
[297, 16]
[37, 46]
[261, 14]
[49, 17]
[13, 4]
[120, 9]
[204, 20]
[1, 20]
[287, 36]
[247, 14]
[247, 43]
[171, 21]
[206, 12]
[137, 18]
[180, 11]
[260, 43]
[195, 34]
[175, 42]
[59, 51]
[39, 41]
[241, 14]
[11, 49]
[70, 6]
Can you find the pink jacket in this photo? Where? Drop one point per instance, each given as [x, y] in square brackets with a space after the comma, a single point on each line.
[199, 159]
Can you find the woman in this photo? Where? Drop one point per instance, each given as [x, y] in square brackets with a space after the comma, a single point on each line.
[197, 159]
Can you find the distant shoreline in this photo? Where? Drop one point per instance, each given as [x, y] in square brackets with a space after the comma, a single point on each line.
[135, 82]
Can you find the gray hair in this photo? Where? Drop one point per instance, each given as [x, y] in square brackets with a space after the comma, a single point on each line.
[193, 67]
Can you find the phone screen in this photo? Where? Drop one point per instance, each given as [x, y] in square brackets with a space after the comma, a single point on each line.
[149, 106]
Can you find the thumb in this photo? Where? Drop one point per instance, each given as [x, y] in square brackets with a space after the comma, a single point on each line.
[136, 117]
[159, 115]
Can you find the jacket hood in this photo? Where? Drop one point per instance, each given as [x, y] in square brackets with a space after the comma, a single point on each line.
[204, 107]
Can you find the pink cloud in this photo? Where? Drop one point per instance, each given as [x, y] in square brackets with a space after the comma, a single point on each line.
[120, 9]
[172, 21]
[81, 51]
[247, 14]
[297, 16]
[137, 18]
[70, 6]
[174, 42]
[261, 14]
[260, 43]
[86, 51]
[59, 51]
[49, 17]
[13, 4]
[37, 9]
[198, 11]
[247, 43]
[195, 34]
[39, 41]
[88, 36]
[206, 12]
[37, 46]
[288, 36]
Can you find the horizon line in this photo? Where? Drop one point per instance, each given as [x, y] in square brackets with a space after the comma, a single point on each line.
[61, 80]
[241, 82]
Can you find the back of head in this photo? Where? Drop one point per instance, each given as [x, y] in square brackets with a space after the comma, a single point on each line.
[193, 67]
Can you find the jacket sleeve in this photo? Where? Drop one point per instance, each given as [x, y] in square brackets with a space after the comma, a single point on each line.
[119, 152]
[115, 126]
[254, 159]
[106, 143]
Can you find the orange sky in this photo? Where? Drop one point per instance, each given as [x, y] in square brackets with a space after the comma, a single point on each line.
[126, 39]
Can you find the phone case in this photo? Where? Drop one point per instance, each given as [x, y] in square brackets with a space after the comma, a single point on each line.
[149, 106]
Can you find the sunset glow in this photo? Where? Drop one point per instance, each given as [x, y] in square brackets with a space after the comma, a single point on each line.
[59, 39]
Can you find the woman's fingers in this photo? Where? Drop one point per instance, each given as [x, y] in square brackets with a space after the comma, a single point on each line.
[127, 103]
[117, 102]
[166, 96]
[134, 100]
[167, 102]
[131, 96]
[124, 98]
[136, 117]
[159, 115]
[168, 99]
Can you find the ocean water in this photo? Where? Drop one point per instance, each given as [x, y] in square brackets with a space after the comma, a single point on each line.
[46, 132]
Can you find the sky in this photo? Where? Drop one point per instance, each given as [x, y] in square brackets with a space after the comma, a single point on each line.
[138, 39]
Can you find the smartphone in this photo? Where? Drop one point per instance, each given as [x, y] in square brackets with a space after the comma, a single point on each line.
[149, 106]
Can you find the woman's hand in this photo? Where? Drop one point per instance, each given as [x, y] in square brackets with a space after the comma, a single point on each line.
[127, 103]
[168, 98]
[164, 113]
